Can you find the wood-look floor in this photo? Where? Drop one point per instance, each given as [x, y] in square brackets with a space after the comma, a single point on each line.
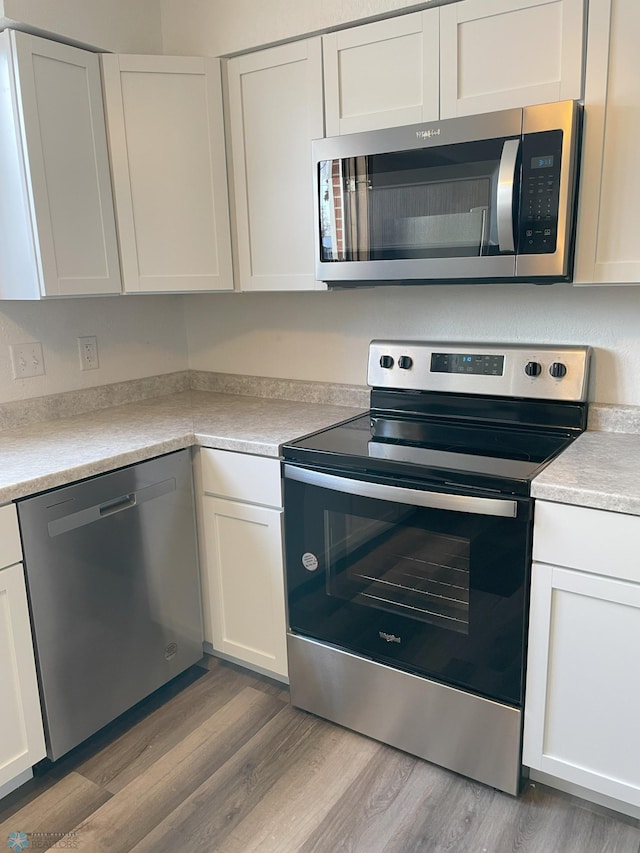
[218, 762]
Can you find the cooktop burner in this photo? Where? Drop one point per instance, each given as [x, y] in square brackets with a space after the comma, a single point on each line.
[427, 423]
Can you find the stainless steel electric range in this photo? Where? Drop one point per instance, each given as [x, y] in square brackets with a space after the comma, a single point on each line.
[408, 548]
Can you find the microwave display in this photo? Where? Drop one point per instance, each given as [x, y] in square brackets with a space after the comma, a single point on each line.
[542, 162]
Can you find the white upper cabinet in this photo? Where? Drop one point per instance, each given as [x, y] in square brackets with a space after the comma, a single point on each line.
[463, 58]
[383, 74]
[57, 228]
[497, 54]
[166, 139]
[275, 108]
[607, 249]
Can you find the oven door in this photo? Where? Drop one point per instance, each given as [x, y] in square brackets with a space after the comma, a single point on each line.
[430, 582]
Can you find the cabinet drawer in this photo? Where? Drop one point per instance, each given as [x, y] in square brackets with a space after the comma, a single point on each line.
[10, 548]
[589, 539]
[243, 477]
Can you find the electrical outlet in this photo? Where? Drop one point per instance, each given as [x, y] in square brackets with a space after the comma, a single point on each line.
[27, 360]
[88, 349]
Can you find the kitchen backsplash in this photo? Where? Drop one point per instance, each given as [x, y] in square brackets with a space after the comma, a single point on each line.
[602, 417]
[67, 404]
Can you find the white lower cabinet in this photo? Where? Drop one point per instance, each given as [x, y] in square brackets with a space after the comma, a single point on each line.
[582, 693]
[21, 731]
[242, 560]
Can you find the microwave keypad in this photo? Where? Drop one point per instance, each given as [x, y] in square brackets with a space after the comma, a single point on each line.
[540, 211]
[540, 193]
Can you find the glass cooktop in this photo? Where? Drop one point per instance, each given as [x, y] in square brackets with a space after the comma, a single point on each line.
[488, 456]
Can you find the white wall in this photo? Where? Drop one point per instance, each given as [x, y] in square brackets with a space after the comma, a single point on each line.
[137, 336]
[324, 336]
[125, 26]
[221, 27]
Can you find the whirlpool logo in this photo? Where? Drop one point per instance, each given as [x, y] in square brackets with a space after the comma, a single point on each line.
[428, 134]
[390, 638]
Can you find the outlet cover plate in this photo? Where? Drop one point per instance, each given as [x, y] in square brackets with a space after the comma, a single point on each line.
[88, 351]
[27, 360]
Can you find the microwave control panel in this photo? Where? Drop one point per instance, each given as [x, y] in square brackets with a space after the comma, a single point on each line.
[541, 155]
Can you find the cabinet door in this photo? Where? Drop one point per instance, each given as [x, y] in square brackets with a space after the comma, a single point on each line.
[59, 210]
[245, 583]
[21, 733]
[275, 106]
[498, 54]
[10, 545]
[166, 137]
[607, 248]
[582, 694]
[383, 74]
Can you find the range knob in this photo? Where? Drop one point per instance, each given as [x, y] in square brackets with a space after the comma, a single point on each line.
[386, 361]
[405, 362]
[558, 370]
[533, 368]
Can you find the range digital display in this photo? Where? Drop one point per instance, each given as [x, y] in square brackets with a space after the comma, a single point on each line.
[482, 365]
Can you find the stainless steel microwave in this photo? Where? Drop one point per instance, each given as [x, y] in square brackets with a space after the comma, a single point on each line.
[474, 199]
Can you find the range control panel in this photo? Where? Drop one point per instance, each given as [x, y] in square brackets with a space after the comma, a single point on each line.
[539, 372]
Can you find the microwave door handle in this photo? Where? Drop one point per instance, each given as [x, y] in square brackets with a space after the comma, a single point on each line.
[506, 191]
[398, 494]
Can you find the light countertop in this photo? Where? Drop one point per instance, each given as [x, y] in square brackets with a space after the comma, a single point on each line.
[45, 455]
[599, 470]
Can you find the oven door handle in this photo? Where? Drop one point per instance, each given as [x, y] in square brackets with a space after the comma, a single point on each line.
[398, 494]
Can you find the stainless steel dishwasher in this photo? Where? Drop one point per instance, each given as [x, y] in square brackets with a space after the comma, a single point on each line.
[112, 575]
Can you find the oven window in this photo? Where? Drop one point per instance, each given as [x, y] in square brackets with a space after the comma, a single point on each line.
[395, 564]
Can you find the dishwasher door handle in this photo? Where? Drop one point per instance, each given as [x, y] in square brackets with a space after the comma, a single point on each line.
[117, 505]
[74, 520]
